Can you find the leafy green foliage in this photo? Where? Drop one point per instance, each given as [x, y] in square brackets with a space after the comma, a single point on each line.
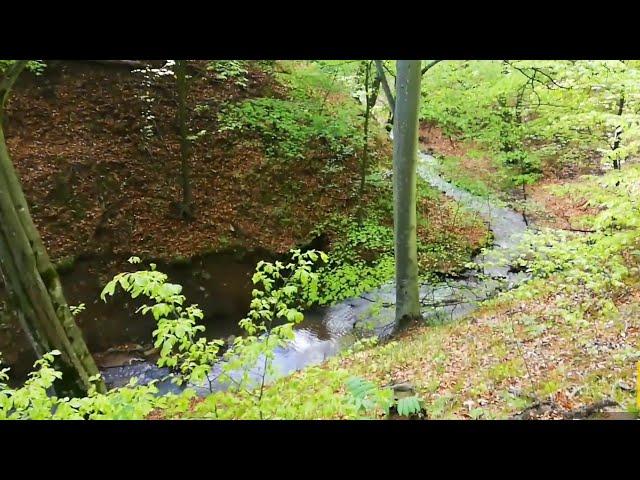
[312, 394]
[363, 344]
[35, 400]
[271, 318]
[287, 127]
[361, 260]
[234, 70]
[591, 269]
[34, 66]
[290, 126]
[149, 76]
[408, 406]
[532, 112]
[269, 325]
[369, 398]
[176, 335]
[77, 309]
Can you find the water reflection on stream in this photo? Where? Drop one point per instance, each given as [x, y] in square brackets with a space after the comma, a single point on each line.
[325, 331]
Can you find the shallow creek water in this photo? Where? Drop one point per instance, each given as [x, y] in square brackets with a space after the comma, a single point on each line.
[326, 331]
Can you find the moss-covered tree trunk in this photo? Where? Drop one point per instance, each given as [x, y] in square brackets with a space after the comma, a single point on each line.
[31, 279]
[405, 155]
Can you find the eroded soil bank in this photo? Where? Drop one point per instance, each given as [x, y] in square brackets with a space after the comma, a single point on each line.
[100, 190]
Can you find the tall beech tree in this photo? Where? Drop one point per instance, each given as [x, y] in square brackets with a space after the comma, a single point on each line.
[382, 77]
[405, 155]
[31, 279]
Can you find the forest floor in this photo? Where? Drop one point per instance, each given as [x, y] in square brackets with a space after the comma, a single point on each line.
[97, 184]
[512, 359]
[522, 356]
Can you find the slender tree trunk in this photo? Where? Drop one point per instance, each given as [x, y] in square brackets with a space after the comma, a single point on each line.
[371, 96]
[326, 94]
[385, 86]
[32, 281]
[405, 154]
[365, 140]
[518, 107]
[181, 83]
[621, 103]
[364, 161]
[617, 163]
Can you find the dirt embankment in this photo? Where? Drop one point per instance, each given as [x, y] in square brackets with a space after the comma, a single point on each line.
[100, 189]
[97, 185]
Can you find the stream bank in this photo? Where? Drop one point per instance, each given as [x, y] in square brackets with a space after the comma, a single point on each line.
[326, 331]
[219, 282]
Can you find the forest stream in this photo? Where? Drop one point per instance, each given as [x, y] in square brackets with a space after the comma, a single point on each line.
[327, 330]
[225, 239]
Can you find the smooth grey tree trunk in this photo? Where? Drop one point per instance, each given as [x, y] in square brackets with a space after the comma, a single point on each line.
[405, 155]
[31, 279]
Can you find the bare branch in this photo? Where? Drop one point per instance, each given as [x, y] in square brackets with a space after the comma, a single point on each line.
[426, 68]
[385, 85]
[533, 72]
[124, 63]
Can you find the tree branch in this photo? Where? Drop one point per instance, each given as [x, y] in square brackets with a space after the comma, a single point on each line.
[8, 79]
[124, 63]
[385, 86]
[533, 73]
[426, 68]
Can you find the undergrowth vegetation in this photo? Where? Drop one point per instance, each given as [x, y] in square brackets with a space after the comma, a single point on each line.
[551, 117]
[313, 112]
[246, 366]
[566, 338]
[361, 256]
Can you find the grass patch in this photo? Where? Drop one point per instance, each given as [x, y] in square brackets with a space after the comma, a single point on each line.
[477, 174]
